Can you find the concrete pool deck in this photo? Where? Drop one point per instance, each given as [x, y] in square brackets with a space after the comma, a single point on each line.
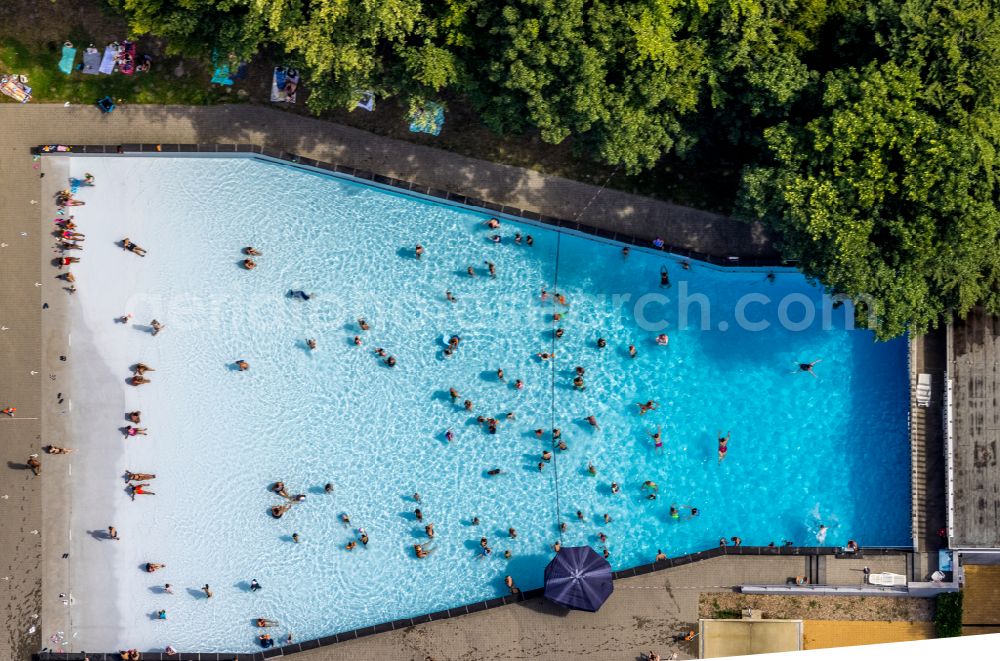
[646, 612]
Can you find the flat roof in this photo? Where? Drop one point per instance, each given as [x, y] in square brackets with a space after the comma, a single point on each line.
[975, 374]
[740, 637]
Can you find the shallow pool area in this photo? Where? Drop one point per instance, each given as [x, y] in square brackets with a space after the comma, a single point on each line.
[806, 449]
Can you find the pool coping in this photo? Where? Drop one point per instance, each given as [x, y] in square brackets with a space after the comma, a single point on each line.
[479, 606]
[409, 187]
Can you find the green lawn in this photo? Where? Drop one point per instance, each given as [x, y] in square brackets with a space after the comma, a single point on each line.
[159, 86]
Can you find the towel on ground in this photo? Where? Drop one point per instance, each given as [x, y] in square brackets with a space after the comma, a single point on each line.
[279, 85]
[221, 75]
[15, 89]
[108, 61]
[428, 119]
[91, 61]
[68, 55]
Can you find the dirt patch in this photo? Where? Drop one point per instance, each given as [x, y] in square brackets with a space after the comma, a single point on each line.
[808, 607]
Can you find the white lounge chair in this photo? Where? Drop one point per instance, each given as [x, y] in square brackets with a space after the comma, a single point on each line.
[886, 578]
[923, 390]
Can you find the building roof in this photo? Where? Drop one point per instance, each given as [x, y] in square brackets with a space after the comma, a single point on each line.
[740, 637]
[974, 372]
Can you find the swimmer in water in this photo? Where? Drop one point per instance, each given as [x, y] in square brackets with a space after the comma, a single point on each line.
[559, 332]
[500, 374]
[419, 251]
[545, 356]
[580, 371]
[662, 339]
[418, 514]
[252, 252]
[808, 367]
[492, 223]
[631, 351]
[593, 421]
[496, 238]
[625, 252]
[311, 344]
[453, 394]
[492, 268]
[248, 264]
[658, 437]
[578, 383]
[390, 361]
[546, 455]
[328, 488]
[357, 340]
[517, 238]
[615, 488]
[448, 295]
[467, 405]
[723, 445]
[346, 520]
[648, 406]
[601, 343]
[529, 240]
[363, 325]
[279, 488]
[556, 433]
[519, 384]
[449, 436]
[471, 271]
[242, 365]
[664, 277]
[821, 534]
[591, 469]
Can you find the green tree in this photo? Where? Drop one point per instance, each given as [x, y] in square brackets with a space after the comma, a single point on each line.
[193, 27]
[890, 192]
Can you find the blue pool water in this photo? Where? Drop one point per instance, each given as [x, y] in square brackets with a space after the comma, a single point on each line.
[804, 451]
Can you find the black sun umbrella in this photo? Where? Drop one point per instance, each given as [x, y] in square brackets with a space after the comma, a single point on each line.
[578, 578]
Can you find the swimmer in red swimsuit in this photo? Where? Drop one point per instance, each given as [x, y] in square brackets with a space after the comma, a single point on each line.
[723, 445]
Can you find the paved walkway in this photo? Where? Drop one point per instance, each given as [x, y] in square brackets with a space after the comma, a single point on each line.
[644, 613]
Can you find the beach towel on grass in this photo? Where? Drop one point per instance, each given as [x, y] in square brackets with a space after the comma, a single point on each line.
[279, 82]
[15, 89]
[91, 61]
[221, 76]
[428, 119]
[68, 55]
[108, 61]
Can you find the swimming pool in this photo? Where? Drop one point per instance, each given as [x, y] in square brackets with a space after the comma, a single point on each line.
[804, 450]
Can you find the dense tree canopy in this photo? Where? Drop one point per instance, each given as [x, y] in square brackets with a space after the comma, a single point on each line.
[868, 130]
